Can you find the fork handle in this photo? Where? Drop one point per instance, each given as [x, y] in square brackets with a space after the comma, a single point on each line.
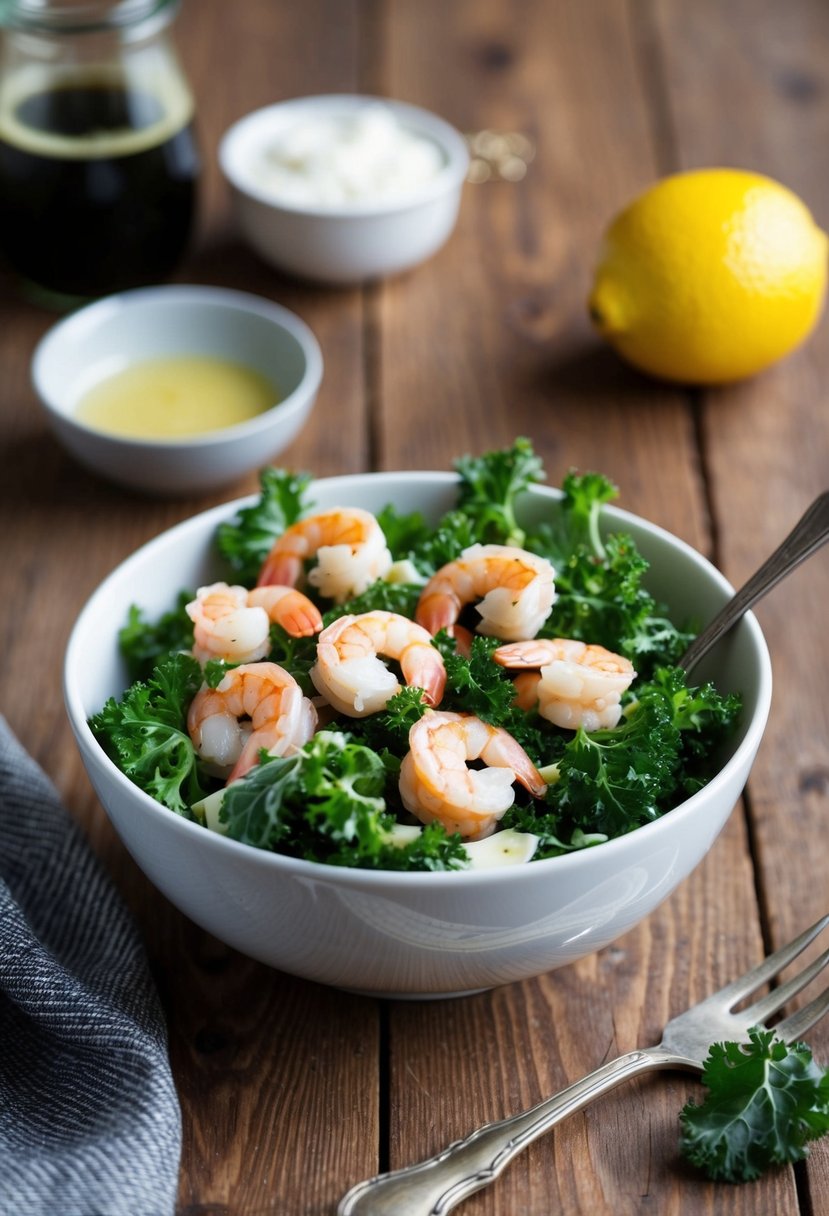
[806, 537]
[439, 1184]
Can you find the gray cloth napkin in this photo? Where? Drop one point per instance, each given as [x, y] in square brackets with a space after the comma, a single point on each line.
[89, 1118]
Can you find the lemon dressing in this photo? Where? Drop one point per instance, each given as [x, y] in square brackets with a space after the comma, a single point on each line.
[174, 398]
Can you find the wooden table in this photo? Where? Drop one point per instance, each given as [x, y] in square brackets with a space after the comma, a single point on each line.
[292, 1092]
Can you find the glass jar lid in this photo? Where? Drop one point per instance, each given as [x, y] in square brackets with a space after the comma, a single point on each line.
[84, 16]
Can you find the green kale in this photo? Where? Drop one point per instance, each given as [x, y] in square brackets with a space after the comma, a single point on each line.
[143, 643]
[403, 533]
[146, 733]
[584, 497]
[454, 532]
[245, 541]
[705, 718]
[379, 597]
[296, 655]
[599, 593]
[431, 849]
[614, 780]
[490, 486]
[548, 827]
[427, 547]
[387, 732]
[477, 685]
[474, 683]
[765, 1101]
[325, 803]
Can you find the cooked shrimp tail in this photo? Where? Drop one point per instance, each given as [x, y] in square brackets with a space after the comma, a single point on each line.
[525, 686]
[289, 608]
[573, 684]
[225, 627]
[232, 623]
[255, 707]
[349, 547]
[436, 783]
[350, 672]
[513, 590]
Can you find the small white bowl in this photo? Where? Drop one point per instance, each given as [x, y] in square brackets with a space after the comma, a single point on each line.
[352, 242]
[410, 934]
[110, 335]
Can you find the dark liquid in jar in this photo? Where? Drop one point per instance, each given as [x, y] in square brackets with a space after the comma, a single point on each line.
[117, 213]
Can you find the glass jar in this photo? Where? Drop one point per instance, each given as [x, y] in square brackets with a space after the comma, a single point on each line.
[98, 158]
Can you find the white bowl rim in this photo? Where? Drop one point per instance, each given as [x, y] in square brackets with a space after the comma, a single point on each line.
[321, 872]
[77, 324]
[426, 122]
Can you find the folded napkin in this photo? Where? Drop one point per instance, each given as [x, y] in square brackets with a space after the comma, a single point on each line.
[89, 1118]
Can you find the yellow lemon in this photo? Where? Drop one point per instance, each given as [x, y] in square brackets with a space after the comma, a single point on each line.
[710, 276]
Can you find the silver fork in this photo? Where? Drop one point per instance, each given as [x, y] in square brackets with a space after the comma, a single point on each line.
[435, 1186]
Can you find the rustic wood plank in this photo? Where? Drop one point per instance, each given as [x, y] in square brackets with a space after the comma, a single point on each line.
[277, 1078]
[771, 115]
[491, 340]
[458, 1064]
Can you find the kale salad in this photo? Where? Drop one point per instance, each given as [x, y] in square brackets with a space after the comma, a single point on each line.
[387, 718]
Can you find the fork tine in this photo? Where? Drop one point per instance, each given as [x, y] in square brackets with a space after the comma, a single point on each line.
[778, 997]
[793, 1028]
[746, 984]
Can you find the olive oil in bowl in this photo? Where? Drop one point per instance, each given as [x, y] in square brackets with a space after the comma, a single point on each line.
[176, 398]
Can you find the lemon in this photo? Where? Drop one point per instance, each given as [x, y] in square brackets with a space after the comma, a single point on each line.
[710, 276]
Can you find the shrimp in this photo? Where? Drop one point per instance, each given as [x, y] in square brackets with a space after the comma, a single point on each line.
[435, 783]
[233, 623]
[354, 679]
[348, 543]
[289, 608]
[255, 706]
[572, 683]
[516, 591]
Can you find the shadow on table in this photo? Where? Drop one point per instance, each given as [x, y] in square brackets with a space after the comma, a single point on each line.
[592, 370]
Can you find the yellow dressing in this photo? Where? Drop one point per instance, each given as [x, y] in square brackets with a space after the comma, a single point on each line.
[176, 397]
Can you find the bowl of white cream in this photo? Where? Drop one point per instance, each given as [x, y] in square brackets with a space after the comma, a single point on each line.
[343, 188]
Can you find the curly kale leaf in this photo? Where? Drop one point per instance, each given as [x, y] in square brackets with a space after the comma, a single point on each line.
[485, 511]
[477, 685]
[403, 532]
[379, 597]
[387, 732]
[704, 717]
[599, 582]
[143, 642]
[146, 733]
[549, 828]
[428, 547]
[490, 486]
[325, 803]
[296, 655]
[584, 496]
[245, 541]
[611, 781]
[765, 1101]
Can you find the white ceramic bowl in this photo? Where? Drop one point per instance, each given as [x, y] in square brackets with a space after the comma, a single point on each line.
[104, 338]
[409, 934]
[349, 243]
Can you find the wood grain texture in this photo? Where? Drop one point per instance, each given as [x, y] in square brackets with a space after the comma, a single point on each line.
[491, 339]
[278, 1080]
[766, 447]
[292, 1092]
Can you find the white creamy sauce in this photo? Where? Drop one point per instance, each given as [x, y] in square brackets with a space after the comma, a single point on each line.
[357, 157]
